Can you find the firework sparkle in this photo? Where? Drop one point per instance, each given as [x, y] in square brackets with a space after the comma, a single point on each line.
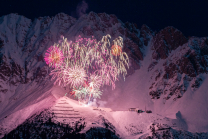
[87, 64]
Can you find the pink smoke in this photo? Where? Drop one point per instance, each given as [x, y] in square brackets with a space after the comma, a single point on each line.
[81, 8]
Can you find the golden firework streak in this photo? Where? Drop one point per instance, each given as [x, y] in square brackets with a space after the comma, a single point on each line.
[97, 56]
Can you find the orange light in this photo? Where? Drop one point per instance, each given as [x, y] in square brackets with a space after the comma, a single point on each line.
[72, 93]
[116, 50]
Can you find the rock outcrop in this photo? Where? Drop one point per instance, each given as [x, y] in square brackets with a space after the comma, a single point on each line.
[183, 67]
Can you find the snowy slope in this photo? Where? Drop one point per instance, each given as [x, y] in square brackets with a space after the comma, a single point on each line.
[125, 124]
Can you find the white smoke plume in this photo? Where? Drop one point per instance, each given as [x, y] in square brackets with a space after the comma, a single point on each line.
[81, 8]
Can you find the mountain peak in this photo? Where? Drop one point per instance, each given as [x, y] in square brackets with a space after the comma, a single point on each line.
[166, 40]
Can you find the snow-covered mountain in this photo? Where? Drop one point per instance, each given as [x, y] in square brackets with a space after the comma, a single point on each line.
[167, 74]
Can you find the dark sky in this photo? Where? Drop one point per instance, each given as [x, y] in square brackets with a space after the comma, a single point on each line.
[189, 16]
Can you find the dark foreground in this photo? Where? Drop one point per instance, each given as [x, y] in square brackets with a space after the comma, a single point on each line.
[42, 127]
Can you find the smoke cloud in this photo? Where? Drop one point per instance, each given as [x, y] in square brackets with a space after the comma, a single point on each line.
[81, 8]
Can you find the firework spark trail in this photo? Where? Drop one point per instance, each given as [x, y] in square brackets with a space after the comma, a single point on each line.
[88, 60]
[95, 81]
[58, 76]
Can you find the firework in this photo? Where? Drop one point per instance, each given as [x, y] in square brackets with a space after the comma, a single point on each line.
[58, 76]
[95, 81]
[54, 57]
[81, 93]
[116, 50]
[74, 76]
[87, 64]
[96, 93]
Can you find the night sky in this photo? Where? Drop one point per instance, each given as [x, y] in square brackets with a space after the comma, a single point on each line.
[189, 16]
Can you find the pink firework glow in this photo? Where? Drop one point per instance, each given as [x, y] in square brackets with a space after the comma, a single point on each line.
[54, 57]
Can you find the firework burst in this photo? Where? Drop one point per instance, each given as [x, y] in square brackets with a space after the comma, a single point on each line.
[96, 93]
[95, 81]
[54, 56]
[76, 76]
[116, 50]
